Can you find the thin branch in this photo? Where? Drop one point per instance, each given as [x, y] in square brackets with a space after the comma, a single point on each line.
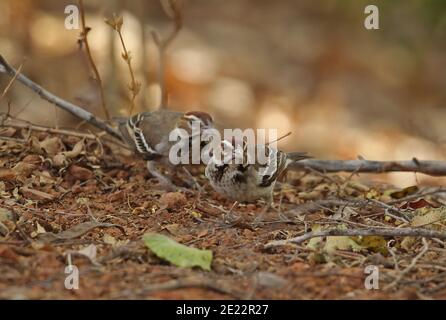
[84, 39]
[33, 127]
[10, 83]
[51, 98]
[172, 8]
[396, 232]
[23, 124]
[433, 168]
[410, 266]
[134, 86]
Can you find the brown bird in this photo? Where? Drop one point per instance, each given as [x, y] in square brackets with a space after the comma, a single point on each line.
[148, 135]
[249, 181]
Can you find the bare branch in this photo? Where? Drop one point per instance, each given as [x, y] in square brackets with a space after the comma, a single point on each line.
[396, 232]
[433, 168]
[84, 39]
[59, 102]
[134, 86]
[10, 83]
[410, 266]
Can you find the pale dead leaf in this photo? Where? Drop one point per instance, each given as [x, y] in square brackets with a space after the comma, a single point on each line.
[51, 145]
[77, 150]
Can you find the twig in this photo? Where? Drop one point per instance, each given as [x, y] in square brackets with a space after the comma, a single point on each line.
[84, 40]
[418, 195]
[23, 124]
[173, 11]
[134, 86]
[32, 127]
[433, 168]
[51, 98]
[280, 138]
[10, 84]
[410, 266]
[400, 232]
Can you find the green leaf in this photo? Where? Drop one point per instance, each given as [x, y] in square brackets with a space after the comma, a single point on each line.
[176, 253]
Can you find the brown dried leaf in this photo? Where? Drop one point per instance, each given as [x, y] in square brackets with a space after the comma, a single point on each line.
[36, 194]
[23, 169]
[33, 159]
[7, 132]
[60, 160]
[80, 173]
[51, 145]
[421, 203]
[173, 200]
[7, 174]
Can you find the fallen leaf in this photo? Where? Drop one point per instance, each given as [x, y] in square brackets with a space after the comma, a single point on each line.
[80, 173]
[402, 193]
[7, 132]
[7, 253]
[341, 243]
[77, 150]
[421, 203]
[51, 145]
[90, 252]
[60, 160]
[118, 195]
[40, 229]
[176, 253]
[7, 174]
[408, 243]
[36, 194]
[428, 216]
[173, 200]
[373, 243]
[23, 169]
[172, 228]
[109, 239]
[33, 159]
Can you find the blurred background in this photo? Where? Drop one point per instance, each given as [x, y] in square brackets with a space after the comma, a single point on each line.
[298, 66]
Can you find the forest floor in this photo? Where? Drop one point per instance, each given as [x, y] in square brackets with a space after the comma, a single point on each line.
[67, 198]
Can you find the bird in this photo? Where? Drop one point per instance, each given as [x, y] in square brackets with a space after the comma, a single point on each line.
[147, 134]
[242, 178]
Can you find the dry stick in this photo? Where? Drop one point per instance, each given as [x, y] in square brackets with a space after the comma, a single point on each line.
[116, 23]
[51, 98]
[172, 9]
[400, 232]
[84, 39]
[33, 127]
[10, 84]
[433, 168]
[410, 266]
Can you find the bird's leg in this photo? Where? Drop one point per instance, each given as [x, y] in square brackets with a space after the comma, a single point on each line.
[163, 180]
[192, 182]
[229, 218]
[261, 216]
